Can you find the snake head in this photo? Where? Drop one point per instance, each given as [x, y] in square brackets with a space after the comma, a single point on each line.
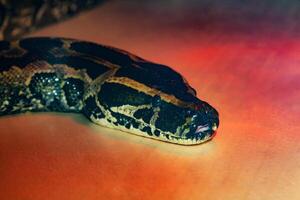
[125, 105]
[191, 123]
[203, 124]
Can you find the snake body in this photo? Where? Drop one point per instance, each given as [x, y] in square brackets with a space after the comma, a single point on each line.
[18, 18]
[111, 87]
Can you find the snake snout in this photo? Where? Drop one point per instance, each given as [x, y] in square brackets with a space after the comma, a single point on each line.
[204, 123]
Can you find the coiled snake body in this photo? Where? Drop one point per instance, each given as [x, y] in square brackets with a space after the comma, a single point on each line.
[111, 87]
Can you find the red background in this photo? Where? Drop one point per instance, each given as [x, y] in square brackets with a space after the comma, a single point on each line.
[243, 58]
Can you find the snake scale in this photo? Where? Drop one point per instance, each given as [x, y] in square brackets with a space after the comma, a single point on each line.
[111, 87]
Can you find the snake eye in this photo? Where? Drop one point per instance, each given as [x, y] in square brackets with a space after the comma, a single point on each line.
[188, 113]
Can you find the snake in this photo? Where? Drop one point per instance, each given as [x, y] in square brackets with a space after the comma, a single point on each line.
[110, 86]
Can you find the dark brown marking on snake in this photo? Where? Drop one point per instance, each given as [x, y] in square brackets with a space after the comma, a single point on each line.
[106, 53]
[145, 114]
[93, 69]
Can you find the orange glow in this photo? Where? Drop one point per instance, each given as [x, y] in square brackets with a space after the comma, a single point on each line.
[252, 79]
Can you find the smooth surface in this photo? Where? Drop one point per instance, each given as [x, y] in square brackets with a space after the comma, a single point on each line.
[243, 59]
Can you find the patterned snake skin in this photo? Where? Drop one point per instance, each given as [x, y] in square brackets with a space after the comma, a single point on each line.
[19, 17]
[111, 87]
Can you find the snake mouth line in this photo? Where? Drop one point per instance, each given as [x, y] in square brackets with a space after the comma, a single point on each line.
[192, 141]
[201, 135]
[164, 136]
